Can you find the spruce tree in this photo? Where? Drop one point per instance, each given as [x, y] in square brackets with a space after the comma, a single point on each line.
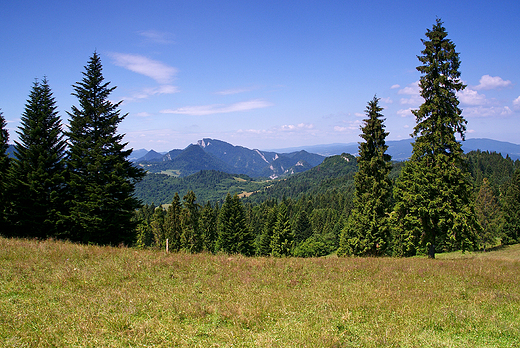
[488, 213]
[283, 238]
[208, 225]
[433, 208]
[511, 209]
[37, 174]
[234, 236]
[263, 247]
[191, 239]
[172, 223]
[4, 167]
[367, 231]
[101, 178]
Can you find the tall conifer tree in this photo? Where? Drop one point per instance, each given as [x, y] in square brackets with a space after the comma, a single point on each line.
[37, 174]
[102, 179]
[283, 238]
[433, 208]
[234, 236]
[367, 231]
[4, 167]
[511, 208]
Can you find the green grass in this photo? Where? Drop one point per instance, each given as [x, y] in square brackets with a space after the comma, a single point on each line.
[57, 294]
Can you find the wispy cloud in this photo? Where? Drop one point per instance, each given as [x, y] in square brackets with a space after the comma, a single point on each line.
[414, 93]
[395, 86]
[406, 112]
[235, 91]
[155, 36]
[349, 126]
[487, 111]
[283, 129]
[143, 114]
[219, 108]
[160, 72]
[493, 82]
[471, 97]
[148, 92]
[516, 103]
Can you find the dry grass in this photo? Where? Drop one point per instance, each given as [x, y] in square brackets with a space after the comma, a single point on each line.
[56, 294]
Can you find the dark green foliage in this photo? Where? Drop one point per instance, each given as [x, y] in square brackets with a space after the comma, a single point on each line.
[101, 179]
[191, 238]
[489, 217]
[282, 240]
[335, 173]
[492, 166]
[172, 224]
[367, 231]
[144, 235]
[4, 167]
[157, 228]
[263, 245]
[433, 209]
[234, 236]
[208, 185]
[208, 226]
[511, 209]
[37, 174]
[302, 227]
[314, 246]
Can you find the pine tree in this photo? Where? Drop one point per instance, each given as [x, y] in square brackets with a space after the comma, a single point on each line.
[433, 208]
[234, 236]
[172, 224]
[488, 213]
[157, 227]
[4, 168]
[208, 225]
[282, 241]
[367, 231]
[263, 247]
[101, 178]
[511, 209]
[37, 174]
[191, 239]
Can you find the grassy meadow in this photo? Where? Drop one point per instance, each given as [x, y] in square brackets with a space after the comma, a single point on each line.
[58, 294]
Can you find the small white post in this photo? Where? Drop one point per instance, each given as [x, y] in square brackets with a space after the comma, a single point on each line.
[166, 244]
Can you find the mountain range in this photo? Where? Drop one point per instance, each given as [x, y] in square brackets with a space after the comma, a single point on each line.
[213, 154]
[401, 150]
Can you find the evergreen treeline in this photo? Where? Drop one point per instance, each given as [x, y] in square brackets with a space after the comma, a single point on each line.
[79, 184]
[75, 185]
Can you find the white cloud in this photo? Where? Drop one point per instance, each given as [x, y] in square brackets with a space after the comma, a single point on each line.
[349, 127]
[387, 100]
[292, 127]
[414, 92]
[143, 114]
[160, 72]
[147, 92]
[219, 108]
[405, 112]
[471, 97]
[516, 103]
[157, 36]
[487, 111]
[395, 86]
[234, 91]
[493, 82]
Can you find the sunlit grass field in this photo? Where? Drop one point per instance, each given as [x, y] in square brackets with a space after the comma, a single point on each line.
[58, 294]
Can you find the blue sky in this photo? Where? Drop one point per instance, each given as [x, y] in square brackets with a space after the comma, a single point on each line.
[260, 74]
